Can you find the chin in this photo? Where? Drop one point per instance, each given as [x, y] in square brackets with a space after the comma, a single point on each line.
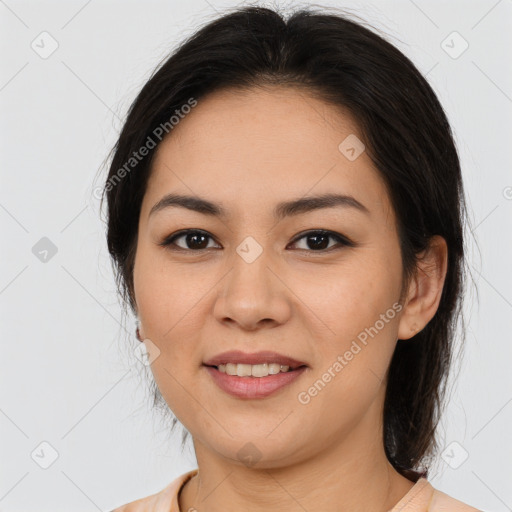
[257, 450]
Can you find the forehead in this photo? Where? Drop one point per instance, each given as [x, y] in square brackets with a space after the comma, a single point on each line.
[253, 147]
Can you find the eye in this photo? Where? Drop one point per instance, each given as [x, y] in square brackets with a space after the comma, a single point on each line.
[195, 239]
[318, 240]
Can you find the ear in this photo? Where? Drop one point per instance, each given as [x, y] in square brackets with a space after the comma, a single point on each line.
[425, 289]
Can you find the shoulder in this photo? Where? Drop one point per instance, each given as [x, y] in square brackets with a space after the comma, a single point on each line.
[442, 502]
[147, 504]
[423, 497]
[134, 506]
[165, 500]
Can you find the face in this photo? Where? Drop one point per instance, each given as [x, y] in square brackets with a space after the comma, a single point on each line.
[252, 280]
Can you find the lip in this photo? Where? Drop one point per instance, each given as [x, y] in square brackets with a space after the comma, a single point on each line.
[264, 356]
[253, 387]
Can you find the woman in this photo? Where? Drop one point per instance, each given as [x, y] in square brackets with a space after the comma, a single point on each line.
[285, 213]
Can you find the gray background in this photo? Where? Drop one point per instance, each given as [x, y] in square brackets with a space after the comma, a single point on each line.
[68, 374]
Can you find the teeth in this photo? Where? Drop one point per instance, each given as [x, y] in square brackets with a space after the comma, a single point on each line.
[252, 370]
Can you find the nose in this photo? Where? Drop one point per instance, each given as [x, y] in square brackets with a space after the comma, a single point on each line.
[253, 296]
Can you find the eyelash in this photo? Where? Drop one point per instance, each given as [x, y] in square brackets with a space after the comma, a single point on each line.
[169, 244]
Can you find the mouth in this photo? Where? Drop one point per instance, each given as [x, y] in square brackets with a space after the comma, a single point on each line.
[250, 376]
[254, 370]
[250, 387]
[259, 364]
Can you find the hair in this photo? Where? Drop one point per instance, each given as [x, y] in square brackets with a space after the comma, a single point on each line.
[406, 134]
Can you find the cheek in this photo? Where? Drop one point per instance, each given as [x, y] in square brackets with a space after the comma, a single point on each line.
[168, 305]
[345, 301]
[357, 315]
[163, 297]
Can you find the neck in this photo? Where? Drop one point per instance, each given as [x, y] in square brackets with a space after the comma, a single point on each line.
[352, 475]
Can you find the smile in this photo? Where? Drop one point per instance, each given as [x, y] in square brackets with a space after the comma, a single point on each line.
[250, 386]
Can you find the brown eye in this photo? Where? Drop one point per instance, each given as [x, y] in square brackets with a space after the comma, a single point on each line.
[198, 240]
[193, 240]
[319, 240]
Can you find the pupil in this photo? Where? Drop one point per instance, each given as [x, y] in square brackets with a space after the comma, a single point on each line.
[195, 236]
[320, 245]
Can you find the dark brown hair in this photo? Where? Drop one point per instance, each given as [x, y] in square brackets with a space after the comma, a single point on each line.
[406, 134]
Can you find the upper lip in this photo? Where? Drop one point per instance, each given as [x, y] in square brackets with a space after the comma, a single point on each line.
[265, 356]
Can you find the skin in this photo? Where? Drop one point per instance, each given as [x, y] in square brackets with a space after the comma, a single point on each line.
[249, 151]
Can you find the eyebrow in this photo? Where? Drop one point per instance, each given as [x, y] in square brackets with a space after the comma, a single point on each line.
[282, 210]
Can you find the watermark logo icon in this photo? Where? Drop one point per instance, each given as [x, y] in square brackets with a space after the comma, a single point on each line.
[454, 455]
[146, 352]
[249, 454]
[249, 250]
[44, 45]
[351, 147]
[44, 250]
[44, 455]
[454, 45]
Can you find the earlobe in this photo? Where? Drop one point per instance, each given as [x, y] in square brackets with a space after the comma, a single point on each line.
[425, 289]
[137, 330]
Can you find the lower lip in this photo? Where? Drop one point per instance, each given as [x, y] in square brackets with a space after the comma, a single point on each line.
[253, 387]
